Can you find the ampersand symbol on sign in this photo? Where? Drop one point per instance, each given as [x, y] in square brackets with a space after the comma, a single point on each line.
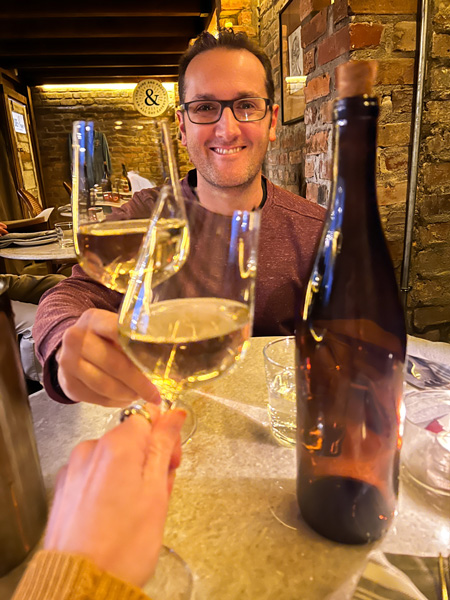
[150, 100]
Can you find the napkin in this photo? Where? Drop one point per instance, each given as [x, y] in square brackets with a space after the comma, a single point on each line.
[28, 239]
[399, 577]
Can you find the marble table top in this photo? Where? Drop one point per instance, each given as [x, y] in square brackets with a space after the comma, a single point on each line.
[233, 480]
[51, 251]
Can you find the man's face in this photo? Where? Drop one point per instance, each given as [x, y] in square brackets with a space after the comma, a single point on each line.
[228, 153]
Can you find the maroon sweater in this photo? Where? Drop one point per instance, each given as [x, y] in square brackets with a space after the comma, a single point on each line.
[289, 231]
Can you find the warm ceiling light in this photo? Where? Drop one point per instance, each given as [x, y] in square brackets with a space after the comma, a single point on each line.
[169, 85]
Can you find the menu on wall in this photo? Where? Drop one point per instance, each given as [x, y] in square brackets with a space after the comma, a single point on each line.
[19, 122]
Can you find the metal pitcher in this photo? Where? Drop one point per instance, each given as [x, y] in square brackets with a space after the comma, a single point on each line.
[23, 503]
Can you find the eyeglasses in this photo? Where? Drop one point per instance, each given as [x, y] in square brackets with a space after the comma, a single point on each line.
[205, 112]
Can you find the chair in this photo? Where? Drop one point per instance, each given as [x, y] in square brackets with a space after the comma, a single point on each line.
[68, 188]
[30, 205]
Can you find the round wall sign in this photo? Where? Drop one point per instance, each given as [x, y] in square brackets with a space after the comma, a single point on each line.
[150, 98]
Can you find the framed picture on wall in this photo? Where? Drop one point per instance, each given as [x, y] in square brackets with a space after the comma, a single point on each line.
[291, 60]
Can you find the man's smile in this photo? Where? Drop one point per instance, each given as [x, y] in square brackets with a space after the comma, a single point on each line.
[224, 151]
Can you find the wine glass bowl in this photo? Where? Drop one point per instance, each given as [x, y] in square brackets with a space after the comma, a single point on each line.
[195, 325]
[107, 244]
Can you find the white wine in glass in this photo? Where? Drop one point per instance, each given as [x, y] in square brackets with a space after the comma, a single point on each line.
[107, 246]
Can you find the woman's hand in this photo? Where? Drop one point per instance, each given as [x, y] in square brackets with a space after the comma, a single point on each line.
[112, 498]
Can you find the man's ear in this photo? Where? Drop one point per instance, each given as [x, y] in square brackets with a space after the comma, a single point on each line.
[273, 123]
[180, 117]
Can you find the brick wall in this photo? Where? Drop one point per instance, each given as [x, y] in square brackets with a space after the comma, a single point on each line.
[429, 299]
[285, 160]
[129, 134]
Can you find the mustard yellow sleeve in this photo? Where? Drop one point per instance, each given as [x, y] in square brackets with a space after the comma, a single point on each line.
[55, 575]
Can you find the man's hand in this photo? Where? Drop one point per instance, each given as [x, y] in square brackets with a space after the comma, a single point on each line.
[93, 368]
[111, 499]
[3, 229]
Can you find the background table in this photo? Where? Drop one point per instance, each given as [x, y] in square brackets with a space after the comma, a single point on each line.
[220, 520]
[52, 254]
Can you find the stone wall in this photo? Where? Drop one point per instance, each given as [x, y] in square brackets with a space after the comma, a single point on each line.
[429, 299]
[130, 135]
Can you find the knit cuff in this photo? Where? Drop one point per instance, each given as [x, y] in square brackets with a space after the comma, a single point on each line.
[55, 575]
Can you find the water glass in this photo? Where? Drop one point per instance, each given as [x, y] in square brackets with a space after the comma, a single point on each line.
[279, 363]
[64, 232]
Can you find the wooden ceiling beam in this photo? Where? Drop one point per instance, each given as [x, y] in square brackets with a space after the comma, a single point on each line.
[112, 8]
[101, 27]
[100, 47]
[33, 80]
[87, 73]
[70, 62]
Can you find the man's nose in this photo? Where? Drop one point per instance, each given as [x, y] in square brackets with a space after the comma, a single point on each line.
[227, 126]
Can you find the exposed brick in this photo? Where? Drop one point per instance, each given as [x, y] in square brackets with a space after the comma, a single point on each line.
[310, 114]
[392, 193]
[438, 144]
[315, 28]
[394, 134]
[296, 157]
[436, 174]
[365, 35]
[234, 4]
[440, 46]
[326, 112]
[340, 10]
[312, 192]
[435, 234]
[402, 100]
[326, 168]
[311, 7]
[440, 78]
[309, 167]
[434, 208]
[384, 7]
[245, 17]
[308, 61]
[317, 143]
[395, 71]
[431, 292]
[394, 160]
[317, 88]
[404, 36]
[437, 112]
[333, 46]
[427, 315]
[442, 17]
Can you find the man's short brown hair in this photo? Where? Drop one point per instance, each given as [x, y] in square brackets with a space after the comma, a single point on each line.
[227, 38]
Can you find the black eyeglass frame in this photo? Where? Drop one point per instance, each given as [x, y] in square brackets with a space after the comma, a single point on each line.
[227, 104]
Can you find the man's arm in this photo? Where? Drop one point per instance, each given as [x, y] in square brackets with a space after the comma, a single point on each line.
[79, 351]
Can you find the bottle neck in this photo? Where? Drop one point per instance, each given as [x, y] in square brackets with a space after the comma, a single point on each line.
[355, 154]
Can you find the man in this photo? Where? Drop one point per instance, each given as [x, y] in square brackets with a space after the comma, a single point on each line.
[227, 118]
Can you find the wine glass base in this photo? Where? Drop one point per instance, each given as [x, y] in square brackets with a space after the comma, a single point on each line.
[283, 503]
[172, 579]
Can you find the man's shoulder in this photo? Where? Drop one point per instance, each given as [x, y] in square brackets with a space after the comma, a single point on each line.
[280, 199]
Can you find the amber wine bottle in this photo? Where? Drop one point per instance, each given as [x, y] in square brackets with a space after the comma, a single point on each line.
[351, 342]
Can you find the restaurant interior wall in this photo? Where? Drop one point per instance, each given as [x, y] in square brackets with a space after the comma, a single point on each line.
[429, 299]
[129, 134]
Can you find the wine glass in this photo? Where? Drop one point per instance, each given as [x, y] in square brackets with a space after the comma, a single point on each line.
[195, 325]
[107, 240]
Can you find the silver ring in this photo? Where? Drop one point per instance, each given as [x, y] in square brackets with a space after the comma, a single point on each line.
[136, 409]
